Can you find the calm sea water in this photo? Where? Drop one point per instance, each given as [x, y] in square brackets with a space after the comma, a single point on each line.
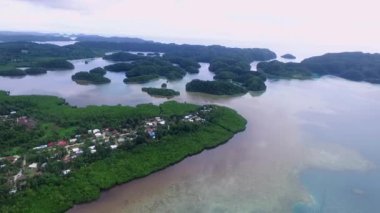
[310, 146]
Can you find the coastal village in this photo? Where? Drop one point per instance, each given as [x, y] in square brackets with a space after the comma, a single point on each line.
[67, 150]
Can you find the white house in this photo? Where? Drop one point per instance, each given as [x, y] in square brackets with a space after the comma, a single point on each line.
[95, 131]
[65, 172]
[121, 140]
[113, 146]
[73, 140]
[33, 166]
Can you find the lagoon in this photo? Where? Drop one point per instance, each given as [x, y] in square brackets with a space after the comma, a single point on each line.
[309, 146]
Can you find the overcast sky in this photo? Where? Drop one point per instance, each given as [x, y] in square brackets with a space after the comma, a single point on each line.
[348, 24]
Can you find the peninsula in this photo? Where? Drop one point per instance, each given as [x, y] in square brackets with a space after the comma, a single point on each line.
[53, 152]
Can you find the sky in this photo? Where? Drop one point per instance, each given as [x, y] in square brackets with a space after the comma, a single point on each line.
[291, 24]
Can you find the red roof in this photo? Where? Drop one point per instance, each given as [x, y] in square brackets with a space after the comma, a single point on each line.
[51, 144]
[62, 143]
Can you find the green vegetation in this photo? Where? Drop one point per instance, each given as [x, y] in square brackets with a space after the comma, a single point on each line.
[89, 78]
[118, 67]
[354, 66]
[239, 72]
[198, 53]
[35, 71]
[147, 69]
[276, 69]
[160, 92]
[141, 79]
[122, 56]
[55, 64]
[12, 72]
[188, 64]
[288, 56]
[98, 70]
[91, 173]
[215, 87]
[29, 54]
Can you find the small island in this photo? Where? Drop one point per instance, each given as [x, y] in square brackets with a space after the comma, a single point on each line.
[36, 71]
[215, 87]
[355, 66]
[277, 70]
[160, 92]
[118, 67]
[55, 64]
[140, 79]
[66, 155]
[288, 56]
[94, 76]
[12, 72]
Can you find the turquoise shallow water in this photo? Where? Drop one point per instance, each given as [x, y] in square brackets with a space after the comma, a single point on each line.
[354, 124]
[341, 192]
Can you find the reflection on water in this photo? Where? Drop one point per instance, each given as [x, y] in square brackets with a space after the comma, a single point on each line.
[304, 145]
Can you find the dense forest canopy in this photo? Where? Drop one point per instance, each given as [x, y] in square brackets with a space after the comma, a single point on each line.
[199, 53]
[48, 56]
[163, 92]
[35, 70]
[277, 69]
[90, 78]
[356, 66]
[288, 56]
[122, 56]
[239, 71]
[215, 87]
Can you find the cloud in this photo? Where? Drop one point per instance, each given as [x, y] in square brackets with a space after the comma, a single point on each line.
[291, 23]
[57, 4]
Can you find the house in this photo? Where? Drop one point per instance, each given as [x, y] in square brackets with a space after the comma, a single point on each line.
[50, 144]
[65, 172]
[13, 191]
[73, 140]
[40, 147]
[77, 151]
[98, 135]
[33, 166]
[162, 122]
[121, 140]
[92, 151]
[62, 143]
[95, 131]
[113, 146]
[13, 112]
[22, 120]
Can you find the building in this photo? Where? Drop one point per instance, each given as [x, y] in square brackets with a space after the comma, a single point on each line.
[62, 143]
[65, 172]
[33, 166]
